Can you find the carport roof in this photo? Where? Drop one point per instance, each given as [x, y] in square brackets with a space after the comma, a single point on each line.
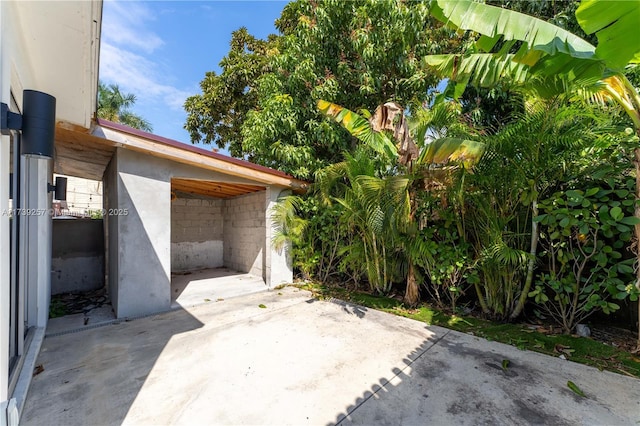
[86, 153]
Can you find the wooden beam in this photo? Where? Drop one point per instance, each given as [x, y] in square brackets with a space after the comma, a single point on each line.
[79, 153]
[212, 188]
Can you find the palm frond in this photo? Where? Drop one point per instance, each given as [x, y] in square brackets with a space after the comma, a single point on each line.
[359, 127]
[498, 23]
[445, 150]
[615, 26]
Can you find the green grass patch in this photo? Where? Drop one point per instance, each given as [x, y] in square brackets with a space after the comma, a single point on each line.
[577, 349]
[57, 308]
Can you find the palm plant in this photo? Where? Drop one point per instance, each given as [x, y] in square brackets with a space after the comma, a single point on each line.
[415, 165]
[541, 59]
[523, 162]
[113, 105]
[374, 209]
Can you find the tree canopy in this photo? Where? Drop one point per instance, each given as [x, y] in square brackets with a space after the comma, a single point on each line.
[358, 54]
[113, 105]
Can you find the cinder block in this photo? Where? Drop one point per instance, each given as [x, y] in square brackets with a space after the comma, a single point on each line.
[194, 202]
[177, 216]
[181, 209]
[183, 224]
[179, 202]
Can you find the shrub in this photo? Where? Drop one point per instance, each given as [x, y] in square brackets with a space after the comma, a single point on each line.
[584, 235]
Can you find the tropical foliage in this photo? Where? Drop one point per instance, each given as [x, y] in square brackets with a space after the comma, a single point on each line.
[358, 54]
[113, 105]
[511, 192]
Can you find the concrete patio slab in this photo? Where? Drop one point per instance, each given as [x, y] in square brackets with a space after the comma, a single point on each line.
[302, 361]
[194, 288]
[187, 290]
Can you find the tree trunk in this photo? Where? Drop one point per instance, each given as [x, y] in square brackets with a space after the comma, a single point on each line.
[412, 293]
[535, 236]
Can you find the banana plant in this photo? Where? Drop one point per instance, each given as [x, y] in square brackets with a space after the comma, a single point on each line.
[389, 119]
[544, 60]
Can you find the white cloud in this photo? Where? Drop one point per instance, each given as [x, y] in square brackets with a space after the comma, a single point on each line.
[139, 75]
[124, 24]
[131, 57]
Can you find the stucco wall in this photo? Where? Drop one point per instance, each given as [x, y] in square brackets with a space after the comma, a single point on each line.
[143, 215]
[278, 263]
[244, 233]
[196, 234]
[77, 255]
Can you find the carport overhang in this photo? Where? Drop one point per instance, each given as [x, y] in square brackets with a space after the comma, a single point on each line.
[87, 152]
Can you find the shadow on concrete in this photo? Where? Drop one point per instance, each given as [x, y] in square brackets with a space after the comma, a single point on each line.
[384, 384]
[350, 308]
[281, 358]
[461, 379]
[95, 375]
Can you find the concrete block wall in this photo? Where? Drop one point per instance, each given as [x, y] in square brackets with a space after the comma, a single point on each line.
[196, 234]
[77, 255]
[244, 233]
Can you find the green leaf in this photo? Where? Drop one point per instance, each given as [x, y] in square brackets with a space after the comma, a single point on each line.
[261, 306]
[575, 389]
[630, 220]
[592, 191]
[624, 268]
[359, 127]
[621, 295]
[540, 218]
[505, 364]
[445, 150]
[615, 23]
[616, 213]
[572, 193]
[492, 21]
[479, 69]
[554, 55]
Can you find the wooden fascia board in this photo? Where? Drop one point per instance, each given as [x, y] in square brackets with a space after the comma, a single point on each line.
[81, 135]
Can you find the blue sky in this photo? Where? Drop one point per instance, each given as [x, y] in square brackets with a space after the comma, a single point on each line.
[161, 50]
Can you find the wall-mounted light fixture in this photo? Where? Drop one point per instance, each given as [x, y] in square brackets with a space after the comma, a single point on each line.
[59, 189]
[37, 122]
